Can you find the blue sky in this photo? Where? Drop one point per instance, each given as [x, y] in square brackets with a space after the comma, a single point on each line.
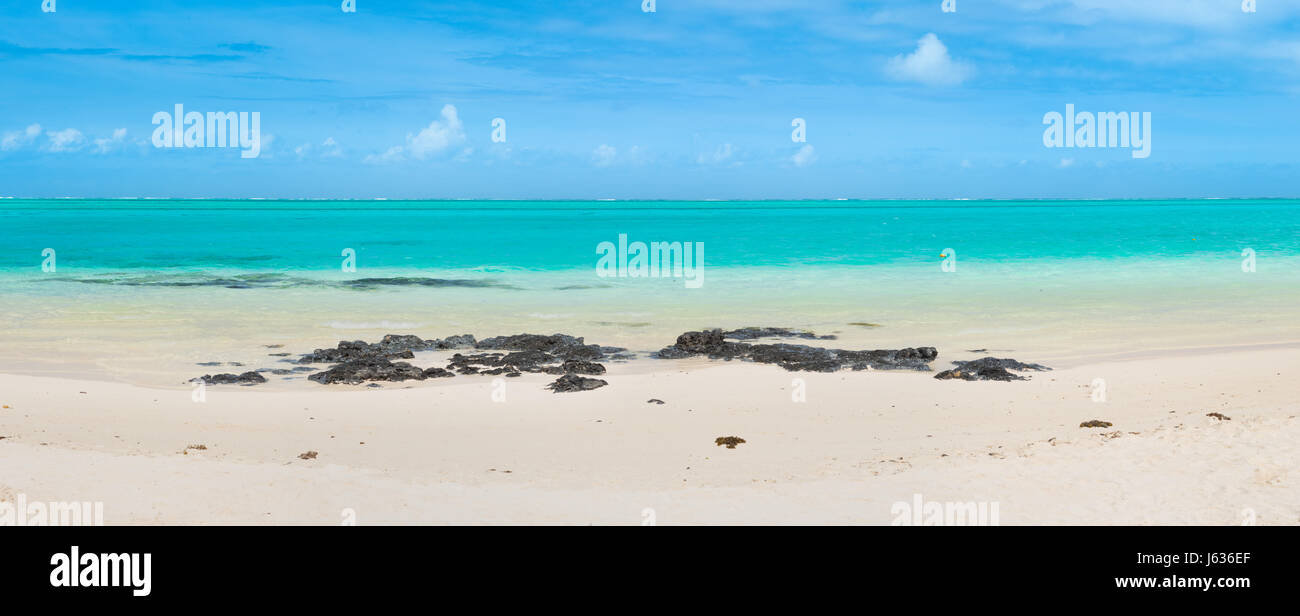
[694, 100]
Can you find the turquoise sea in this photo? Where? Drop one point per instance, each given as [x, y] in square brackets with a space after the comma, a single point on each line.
[480, 238]
[189, 278]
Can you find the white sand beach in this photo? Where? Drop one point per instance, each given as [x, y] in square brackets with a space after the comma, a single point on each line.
[443, 451]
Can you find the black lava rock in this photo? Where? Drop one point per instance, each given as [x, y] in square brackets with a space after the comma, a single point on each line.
[247, 378]
[989, 369]
[573, 382]
[361, 370]
[574, 366]
[795, 357]
[751, 333]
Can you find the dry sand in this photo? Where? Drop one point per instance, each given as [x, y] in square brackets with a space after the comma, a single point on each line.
[445, 451]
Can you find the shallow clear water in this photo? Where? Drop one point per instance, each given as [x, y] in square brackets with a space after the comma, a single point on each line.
[140, 287]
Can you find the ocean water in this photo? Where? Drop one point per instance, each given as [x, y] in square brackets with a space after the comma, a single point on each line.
[140, 283]
[481, 238]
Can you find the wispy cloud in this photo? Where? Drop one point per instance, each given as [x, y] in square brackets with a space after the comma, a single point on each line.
[604, 155]
[249, 47]
[327, 149]
[14, 140]
[196, 57]
[13, 50]
[66, 140]
[720, 155]
[104, 145]
[805, 156]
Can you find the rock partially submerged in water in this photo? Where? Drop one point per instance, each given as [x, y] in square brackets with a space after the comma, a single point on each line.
[751, 333]
[573, 382]
[357, 371]
[989, 369]
[562, 346]
[796, 357]
[247, 378]
[392, 346]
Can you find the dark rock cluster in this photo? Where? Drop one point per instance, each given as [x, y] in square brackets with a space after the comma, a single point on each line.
[573, 382]
[751, 333]
[562, 346]
[357, 371]
[569, 357]
[393, 346]
[359, 362]
[795, 357]
[989, 369]
[247, 378]
[554, 354]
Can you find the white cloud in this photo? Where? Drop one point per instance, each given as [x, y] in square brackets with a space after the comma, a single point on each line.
[328, 149]
[930, 64]
[392, 155]
[66, 140]
[332, 148]
[105, 145]
[1066, 162]
[604, 155]
[19, 138]
[437, 137]
[720, 155]
[804, 157]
